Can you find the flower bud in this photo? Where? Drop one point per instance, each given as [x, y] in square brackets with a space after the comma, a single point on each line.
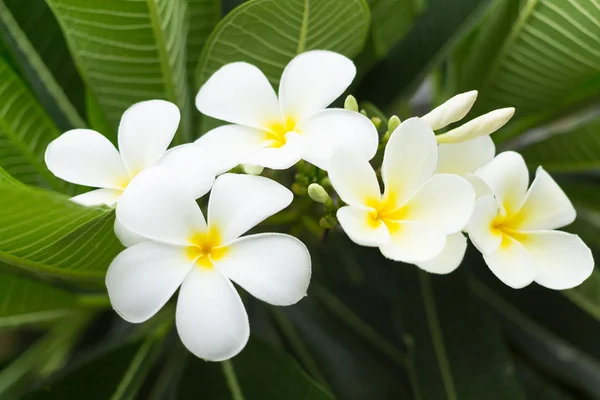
[451, 111]
[318, 193]
[480, 126]
[393, 123]
[351, 104]
[252, 169]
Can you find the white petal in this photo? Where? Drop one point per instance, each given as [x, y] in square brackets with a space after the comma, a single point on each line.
[312, 81]
[240, 202]
[282, 157]
[512, 264]
[508, 178]
[479, 186]
[230, 145]
[98, 197]
[142, 278]
[477, 127]
[413, 242]
[145, 132]
[545, 206]
[353, 179]
[410, 159]
[562, 260]
[126, 236]
[451, 111]
[241, 94]
[444, 201]
[155, 207]
[192, 168]
[450, 258]
[211, 320]
[465, 157]
[85, 157]
[361, 229]
[330, 129]
[480, 229]
[272, 267]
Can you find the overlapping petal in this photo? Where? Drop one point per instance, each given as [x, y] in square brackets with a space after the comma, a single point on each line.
[512, 264]
[145, 132]
[465, 157]
[192, 168]
[272, 267]
[410, 159]
[241, 94]
[240, 202]
[508, 178]
[450, 258]
[312, 81]
[210, 317]
[480, 230]
[329, 129]
[85, 157]
[413, 242]
[98, 197]
[280, 157]
[361, 228]
[155, 207]
[142, 278]
[353, 178]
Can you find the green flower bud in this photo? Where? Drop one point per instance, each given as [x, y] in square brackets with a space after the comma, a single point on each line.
[252, 169]
[318, 193]
[351, 104]
[393, 123]
[376, 121]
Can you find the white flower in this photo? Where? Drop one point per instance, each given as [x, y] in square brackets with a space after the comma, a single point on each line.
[183, 249]
[86, 157]
[462, 151]
[278, 132]
[514, 229]
[418, 209]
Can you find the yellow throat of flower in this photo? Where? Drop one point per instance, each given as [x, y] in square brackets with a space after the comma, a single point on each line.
[205, 248]
[386, 212]
[276, 131]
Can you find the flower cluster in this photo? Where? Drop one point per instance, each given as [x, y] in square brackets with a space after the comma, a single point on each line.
[437, 189]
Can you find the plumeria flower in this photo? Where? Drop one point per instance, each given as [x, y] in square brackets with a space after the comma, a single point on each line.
[462, 151]
[515, 228]
[86, 157]
[417, 210]
[277, 132]
[203, 257]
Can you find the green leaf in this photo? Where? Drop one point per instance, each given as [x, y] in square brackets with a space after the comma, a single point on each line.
[448, 333]
[7, 178]
[128, 51]
[566, 347]
[46, 233]
[34, 36]
[537, 386]
[257, 373]
[25, 131]
[390, 21]
[547, 63]
[584, 196]
[25, 300]
[116, 374]
[269, 33]
[203, 16]
[435, 31]
[574, 150]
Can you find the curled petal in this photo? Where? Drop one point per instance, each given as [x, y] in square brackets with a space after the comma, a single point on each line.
[508, 177]
[486, 239]
[512, 264]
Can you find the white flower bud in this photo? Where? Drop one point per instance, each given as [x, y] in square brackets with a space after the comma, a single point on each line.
[451, 111]
[480, 126]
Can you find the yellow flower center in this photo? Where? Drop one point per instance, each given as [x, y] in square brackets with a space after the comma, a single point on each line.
[386, 212]
[507, 228]
[206, 248]
[276, 131]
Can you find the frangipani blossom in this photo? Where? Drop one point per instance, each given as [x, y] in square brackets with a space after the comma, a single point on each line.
[86, 157]
[418, 209]
[462, 151]
[515, 228]
[277, 132]
[203, 257]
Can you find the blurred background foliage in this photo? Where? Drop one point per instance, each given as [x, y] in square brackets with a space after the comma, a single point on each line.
[370, 328]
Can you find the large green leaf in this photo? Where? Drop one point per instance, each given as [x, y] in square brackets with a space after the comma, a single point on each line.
[566, 347]
[34, 36]
[439, 27]
[7, 178]
[574, 150]
[390, 21]
[45, 232]
[203, 16]
[114, 374]
[25, 131]
[269, 33]
[128, 51]
[257, 373]
[25, 300]
[548, 62]
[455, 350]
